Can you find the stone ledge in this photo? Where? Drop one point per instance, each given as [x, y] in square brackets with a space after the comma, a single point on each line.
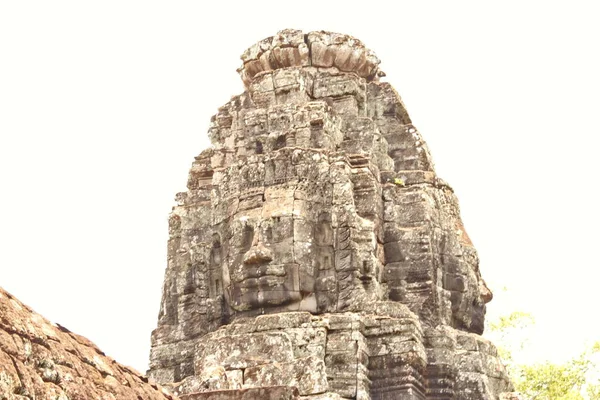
[263, 393]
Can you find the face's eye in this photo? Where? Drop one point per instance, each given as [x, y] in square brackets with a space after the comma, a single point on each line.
[247, 237]
[242, 236]
[277, 229]
[267, 228]
[268, 233]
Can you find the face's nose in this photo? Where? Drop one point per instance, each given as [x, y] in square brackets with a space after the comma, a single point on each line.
[258, 254]
[484, 292]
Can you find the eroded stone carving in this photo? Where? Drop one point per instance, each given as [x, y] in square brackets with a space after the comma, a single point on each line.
[316, 248]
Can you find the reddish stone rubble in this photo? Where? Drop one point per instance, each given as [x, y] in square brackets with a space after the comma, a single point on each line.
[39, 360]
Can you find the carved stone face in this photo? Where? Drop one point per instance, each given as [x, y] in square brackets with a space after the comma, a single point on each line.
[260, 261]
[469, 293]
[277, 246]
[478, 294]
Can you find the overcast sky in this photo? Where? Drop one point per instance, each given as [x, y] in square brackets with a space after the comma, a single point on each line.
[103, 106]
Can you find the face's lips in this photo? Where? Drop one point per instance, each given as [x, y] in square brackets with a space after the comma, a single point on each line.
[253, 298]
[265, 282]
[477, 319]
[253, 272]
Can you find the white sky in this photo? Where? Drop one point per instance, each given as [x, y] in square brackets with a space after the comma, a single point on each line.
[103, 106]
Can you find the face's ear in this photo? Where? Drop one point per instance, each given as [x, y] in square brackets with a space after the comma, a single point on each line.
[215, 262]
[227, 297]
[323, 231]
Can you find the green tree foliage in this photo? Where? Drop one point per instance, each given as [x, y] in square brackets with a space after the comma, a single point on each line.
[575, 379]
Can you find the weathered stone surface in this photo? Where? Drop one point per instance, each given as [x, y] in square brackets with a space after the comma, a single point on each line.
[292, 48]
[316, 248]
[266, 393]
[39, 360]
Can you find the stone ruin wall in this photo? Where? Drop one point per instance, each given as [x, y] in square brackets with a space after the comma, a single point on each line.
[316, 252]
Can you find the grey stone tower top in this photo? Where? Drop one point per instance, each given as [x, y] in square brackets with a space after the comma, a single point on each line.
[293, 48]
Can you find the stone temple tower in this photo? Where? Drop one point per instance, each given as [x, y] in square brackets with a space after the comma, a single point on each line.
[316, 254]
